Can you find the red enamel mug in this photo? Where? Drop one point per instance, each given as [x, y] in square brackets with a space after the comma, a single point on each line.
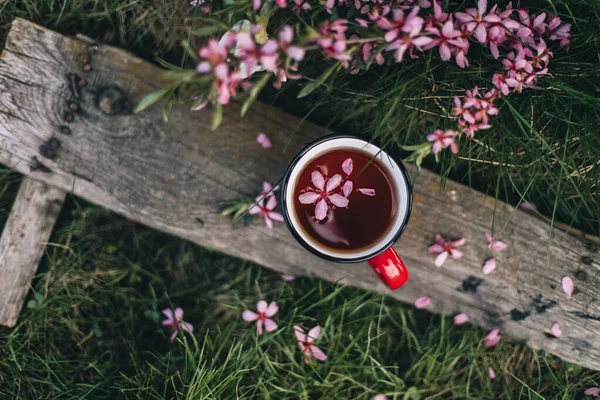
[380, 254]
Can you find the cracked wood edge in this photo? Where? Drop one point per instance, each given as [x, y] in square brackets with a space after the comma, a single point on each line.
[167, 174]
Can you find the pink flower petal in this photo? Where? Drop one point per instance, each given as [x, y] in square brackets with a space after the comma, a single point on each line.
[422, 302]
[261, 306]
[275, 216]
[456, 254]
[178, 314]
[459, 242]
[527, 207]
[439, 239]
[491, 373]
[556, 331]
[286, 34]
[309, 197]
[313, 334]
[173, 335]
[380, 397]
[348, 166]
[492, 338]
[489, 266]
[270, 325]
[271, 203]
[186, 326]
[338, 200]
[435, 248]
[318, 353]
[568, 286]
[367, 192]
[333, 182]
[168, 313]
[317, 180]
[300, 335]
[271, 309]
[259, 327]
[460, 319]
[321, 210]
[593, 391]
[441, 259]
[296, 53]
[347, 188]
[495, 244]
[264, 141]
[249, 316]
[288, 278]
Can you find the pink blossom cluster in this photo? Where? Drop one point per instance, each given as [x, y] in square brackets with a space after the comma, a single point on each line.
[238, 55]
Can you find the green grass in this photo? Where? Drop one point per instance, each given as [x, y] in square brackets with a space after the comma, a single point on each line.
[91, 329]
[91, 324]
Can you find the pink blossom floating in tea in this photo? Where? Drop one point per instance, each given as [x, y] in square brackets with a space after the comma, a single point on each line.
[568, 286]
[262, 317]
[446, 248]
[306, 343]
[328, 192]
[175, 321]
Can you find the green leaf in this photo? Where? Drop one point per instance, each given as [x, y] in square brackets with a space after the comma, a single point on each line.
[206, 31]
[256, 88]
[217, 116]
[150, 99]
[308, 89]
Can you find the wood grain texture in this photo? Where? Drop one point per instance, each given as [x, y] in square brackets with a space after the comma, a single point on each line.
[166, 175]
[23, 241]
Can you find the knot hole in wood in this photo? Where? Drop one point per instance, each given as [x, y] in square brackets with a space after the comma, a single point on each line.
[112, 100]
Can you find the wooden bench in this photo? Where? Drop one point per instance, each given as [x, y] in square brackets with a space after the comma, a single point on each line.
[169, 174]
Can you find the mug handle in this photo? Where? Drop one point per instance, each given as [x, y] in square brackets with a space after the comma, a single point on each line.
[390, 268]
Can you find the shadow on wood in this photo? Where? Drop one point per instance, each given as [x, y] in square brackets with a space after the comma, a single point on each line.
[166, 175]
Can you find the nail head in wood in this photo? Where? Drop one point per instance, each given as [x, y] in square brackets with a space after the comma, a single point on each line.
[587, 260]
[86, 67]
[69, 117]
[65, 130]
[74, 106]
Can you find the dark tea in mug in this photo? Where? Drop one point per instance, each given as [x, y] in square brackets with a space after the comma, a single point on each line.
[345, 200]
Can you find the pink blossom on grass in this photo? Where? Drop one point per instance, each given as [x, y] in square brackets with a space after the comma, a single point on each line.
[422, 302]
[489, 266]
[492, 338]
[212, 55]
[476, 20]
[252, 53]
[262, 316]
[175, 321]
[444, 38]
[264, 141]
[460, 319]
[445, 248]
[306, 343]
[568, 286]
[555, 329]
[441, 140]
[495, 244]
[593, 391]
[491, 373]
[286, 36]
[266, 211]
[300, 5]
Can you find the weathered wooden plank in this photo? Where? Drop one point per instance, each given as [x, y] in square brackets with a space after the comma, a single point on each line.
[23, 241]
[166, 175]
